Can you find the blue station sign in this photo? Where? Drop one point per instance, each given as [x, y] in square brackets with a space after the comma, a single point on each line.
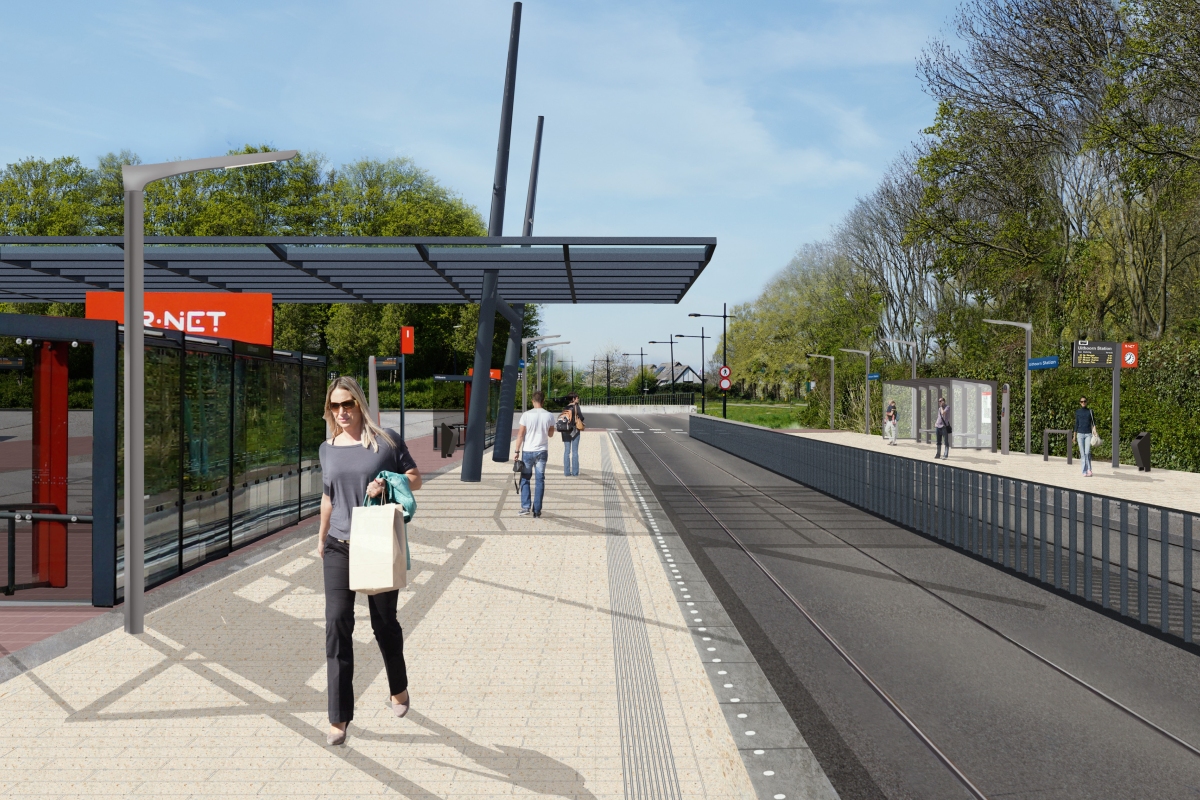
[1045, 362]
[874, 376]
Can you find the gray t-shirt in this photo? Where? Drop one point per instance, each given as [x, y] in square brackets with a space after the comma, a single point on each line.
[348, 469]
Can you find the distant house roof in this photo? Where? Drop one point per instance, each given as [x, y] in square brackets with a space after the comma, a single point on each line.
[683, 373]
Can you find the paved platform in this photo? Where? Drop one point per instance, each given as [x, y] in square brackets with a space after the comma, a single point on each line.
[552, 657]
[1162, 487]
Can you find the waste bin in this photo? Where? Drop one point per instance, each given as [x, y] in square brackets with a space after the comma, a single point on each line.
[1141, 451]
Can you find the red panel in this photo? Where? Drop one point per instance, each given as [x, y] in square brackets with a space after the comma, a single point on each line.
[50, 460]
[407, 340]
[245, 316]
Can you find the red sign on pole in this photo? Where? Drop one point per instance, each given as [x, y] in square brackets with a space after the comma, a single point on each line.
[1129, 355]
[407, 341]
[724, 384]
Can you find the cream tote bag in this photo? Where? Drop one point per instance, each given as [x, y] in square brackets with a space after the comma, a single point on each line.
[378, 547]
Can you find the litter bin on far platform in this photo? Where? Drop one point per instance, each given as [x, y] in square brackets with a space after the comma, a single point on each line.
[1141, 451]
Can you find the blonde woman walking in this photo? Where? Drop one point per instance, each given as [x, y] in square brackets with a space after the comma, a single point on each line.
[356, 453]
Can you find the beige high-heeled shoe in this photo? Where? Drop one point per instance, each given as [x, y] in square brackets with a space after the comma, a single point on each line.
[399, 709]
[334, 739]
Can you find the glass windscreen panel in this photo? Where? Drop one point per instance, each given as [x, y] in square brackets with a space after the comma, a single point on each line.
[312, 433]
[207, 426]
[251, 465]
[284, 448]
[164, 462]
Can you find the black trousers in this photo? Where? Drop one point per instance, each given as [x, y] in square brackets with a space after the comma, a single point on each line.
[339, 633]
[942, 433]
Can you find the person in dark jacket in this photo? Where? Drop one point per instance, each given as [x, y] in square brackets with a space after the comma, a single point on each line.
[573, 417]
[1085, 425]
[943, 428]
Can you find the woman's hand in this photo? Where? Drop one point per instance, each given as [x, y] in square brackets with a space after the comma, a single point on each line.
[321, 547]
[375, 488]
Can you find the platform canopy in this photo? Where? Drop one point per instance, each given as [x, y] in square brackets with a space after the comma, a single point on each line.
[323, 269]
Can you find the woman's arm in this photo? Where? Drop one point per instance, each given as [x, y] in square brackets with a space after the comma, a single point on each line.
[323, 530]
[414, 479]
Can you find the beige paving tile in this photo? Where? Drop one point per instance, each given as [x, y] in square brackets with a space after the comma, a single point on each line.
[509, 642]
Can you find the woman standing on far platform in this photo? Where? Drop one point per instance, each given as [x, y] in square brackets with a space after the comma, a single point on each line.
[350, 461]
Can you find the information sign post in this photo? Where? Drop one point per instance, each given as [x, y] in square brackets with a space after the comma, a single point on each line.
[1108, 355]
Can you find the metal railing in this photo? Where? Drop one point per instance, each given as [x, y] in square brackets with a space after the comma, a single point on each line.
[676, 399]
[1096, 548]
[13, 517]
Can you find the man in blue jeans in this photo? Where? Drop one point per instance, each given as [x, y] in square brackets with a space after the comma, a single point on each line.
[533, 443]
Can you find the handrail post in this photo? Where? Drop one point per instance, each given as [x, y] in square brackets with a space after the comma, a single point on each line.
[12, 556]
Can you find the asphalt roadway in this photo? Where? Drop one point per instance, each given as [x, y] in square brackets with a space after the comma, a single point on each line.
[1010, 723]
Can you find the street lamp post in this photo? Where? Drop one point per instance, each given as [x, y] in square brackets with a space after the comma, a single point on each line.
[831, 369]
[135, 177]
[670, 341]
[1028, 326]
[912, 353]
[724, 316]
[867, 401]
[525, 370]
[701, 337]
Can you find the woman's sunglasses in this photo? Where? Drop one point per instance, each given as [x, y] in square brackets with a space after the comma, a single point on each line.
[349, 405]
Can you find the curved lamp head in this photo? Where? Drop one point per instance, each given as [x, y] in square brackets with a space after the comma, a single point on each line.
[136, 176]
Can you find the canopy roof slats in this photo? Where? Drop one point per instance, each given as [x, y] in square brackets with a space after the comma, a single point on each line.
[538, 269]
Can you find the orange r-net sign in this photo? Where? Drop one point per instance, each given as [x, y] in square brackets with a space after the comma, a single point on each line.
[244, 317]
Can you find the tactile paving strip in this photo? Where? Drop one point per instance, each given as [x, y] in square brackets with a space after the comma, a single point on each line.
[648, 766]
[779, 761]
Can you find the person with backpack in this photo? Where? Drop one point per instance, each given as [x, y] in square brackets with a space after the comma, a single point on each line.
[889, 422]
[532, 450]
[1085, 431]
[570, 425]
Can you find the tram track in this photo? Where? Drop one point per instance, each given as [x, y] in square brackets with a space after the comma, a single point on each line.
[877, 688]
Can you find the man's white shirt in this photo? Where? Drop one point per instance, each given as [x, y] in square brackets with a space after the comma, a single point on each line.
[537, 423]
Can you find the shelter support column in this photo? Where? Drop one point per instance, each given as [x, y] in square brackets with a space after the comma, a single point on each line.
[472, 466]
[50, 460]
[508, 387]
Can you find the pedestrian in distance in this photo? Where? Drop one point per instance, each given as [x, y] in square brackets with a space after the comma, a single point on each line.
[351, 459]
[889, 422]
[570, 425]
[533, 445]
[943, 428]
[1085, 429]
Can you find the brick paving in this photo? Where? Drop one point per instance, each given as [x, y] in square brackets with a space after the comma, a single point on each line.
[511, 650]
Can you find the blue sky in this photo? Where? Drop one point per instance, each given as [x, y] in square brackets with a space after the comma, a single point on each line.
[755, 123]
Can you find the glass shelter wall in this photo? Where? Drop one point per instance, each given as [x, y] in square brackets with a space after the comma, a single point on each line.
[232, 438]
[971, 405]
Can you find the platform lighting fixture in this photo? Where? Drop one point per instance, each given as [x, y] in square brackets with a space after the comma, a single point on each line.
[135, 177]
[912, 352]
[723, 316]
[867, 400]
[701, 337]
[831, 372]
[1028, 327]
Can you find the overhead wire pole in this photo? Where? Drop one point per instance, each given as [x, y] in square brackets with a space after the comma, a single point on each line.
[831, 376]
[725, 316]
[641, 354]
[134, 178]
[867, 397]
[1028, 328]
[496, 228]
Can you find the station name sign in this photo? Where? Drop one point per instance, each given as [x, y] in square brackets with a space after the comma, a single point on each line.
[246, 317]
[1095, 354]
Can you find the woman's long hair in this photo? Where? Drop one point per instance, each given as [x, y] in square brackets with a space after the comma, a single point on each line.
[370, 430]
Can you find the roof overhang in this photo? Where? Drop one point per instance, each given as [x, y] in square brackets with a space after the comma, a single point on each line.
[348, 269]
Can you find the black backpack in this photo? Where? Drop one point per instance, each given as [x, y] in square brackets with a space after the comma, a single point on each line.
[565, 424]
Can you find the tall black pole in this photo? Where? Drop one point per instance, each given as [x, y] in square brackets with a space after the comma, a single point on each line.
[500, 182]
[531, 197]
[725, 357]
[703, 388]
[671, 342]
[607, 381]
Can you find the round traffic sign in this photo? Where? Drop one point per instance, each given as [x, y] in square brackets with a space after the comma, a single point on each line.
[725, 372]
[725, 384]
